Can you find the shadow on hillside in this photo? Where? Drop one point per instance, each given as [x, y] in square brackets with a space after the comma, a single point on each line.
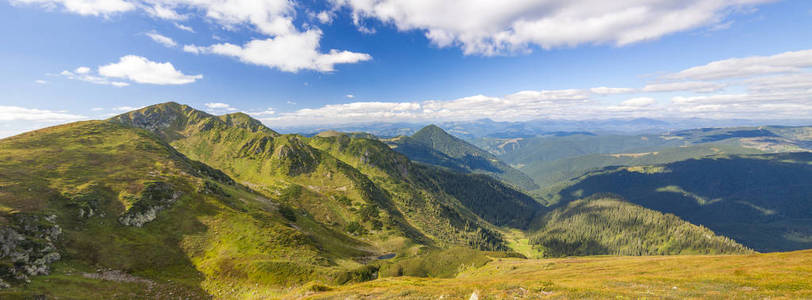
[762, 201]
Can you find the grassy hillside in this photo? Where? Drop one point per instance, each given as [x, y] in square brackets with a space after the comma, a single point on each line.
[434, 198]
[353, 185]
[432, 145]
[754, 276]
[109, 198]
[607, 225]
[761, 201]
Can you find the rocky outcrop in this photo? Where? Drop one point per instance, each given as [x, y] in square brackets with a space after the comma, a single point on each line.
[87, 203]
[27, 247]
[155, 197]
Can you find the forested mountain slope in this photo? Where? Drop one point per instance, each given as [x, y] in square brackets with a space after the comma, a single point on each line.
[762, 201]
[432, 145]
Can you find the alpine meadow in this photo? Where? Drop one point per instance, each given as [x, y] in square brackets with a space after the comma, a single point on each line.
[406, 149]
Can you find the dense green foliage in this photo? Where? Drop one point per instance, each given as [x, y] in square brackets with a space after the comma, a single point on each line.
[432, 145]
[762, 201]
[602, 224]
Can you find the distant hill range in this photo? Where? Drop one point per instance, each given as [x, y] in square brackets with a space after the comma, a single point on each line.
[486, 128]
[432, 145]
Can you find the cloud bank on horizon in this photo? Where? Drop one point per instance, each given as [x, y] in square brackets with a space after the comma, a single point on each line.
[286, 36]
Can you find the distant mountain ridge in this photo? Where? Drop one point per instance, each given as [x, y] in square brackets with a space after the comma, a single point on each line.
[432, 145]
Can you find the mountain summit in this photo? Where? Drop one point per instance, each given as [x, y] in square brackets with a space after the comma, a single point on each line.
[433, 145]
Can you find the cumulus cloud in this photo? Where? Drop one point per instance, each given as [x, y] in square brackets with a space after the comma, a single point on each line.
[160, 11]
[133, 68]
[611, 91]
[83, 7]
[291, 49]
[184, 27]
[291, 53]
[763, 95]
[17, 119]
[495, 27]
[16, 113]
[787, 62]
[162, 39]
[142, 70]
[267, 112]
[516, 106]
[82, 74]
[696, 86]
[219, 106]
[638, 102]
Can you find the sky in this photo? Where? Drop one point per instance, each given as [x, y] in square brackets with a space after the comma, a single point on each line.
[322, 62]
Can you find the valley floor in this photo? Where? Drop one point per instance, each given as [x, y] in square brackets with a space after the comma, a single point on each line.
[785, 275]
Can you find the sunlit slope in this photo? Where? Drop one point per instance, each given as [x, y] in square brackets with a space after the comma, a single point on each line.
[336, 187]
[756, 276]
[432, 197]
[603, 224]
[125, 200]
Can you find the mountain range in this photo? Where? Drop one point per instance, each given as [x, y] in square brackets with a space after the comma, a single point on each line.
[195, 205]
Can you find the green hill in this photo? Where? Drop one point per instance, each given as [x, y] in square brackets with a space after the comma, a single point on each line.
[393, 205]
[432, 145]
[761, 201]
[96, 196]
[603, 224]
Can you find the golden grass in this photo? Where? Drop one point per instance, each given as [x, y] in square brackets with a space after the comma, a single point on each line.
[775, 276]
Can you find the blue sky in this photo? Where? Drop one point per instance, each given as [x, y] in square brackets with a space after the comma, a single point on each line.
[342, 61]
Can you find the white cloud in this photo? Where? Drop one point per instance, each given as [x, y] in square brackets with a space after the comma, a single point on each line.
[284, 47]
[162, 39]
[267, 112]
[184, 27]
[324, 17]
[290, 53]
[522, 105]
[83, 74]
[40, 81]
[142, 70]
[638, 102]
[160, 11]
[219, 106]
[611, 91]
[84, 7]
[494, 27]
[696, 86]
[787, 62]
[193, 49]
[349, 96]
[16, 113]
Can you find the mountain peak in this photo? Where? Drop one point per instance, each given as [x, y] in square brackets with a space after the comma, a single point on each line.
[431, 131]
[170, 119]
